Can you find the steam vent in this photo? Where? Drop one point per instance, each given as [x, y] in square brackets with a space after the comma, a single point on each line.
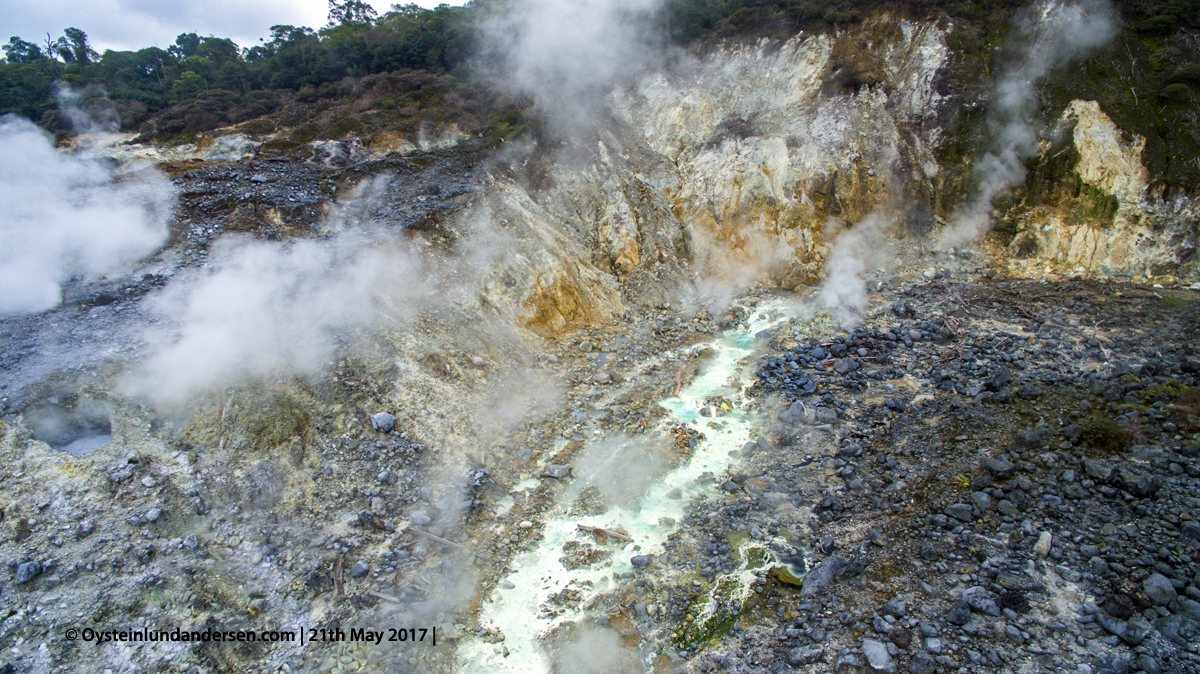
[602, 337]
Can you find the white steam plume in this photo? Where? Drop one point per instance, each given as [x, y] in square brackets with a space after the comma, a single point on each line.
[63, 216]
[261, 308]
[100, 119]
[1048, 36]
[593, 650]
[568, 54]
[621, 467]
[727, 268]
[844, 292]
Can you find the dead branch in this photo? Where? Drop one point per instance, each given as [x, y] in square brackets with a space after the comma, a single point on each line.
[600, 531]
[439, 539]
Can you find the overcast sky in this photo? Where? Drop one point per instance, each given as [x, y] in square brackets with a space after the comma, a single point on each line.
[133, 24]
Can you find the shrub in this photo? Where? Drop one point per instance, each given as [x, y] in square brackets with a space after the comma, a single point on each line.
[1176, 93]
[1104, 434]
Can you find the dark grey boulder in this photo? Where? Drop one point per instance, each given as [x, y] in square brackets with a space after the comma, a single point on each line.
[960, 511]
[1178, 630]
[959, 614]
[822, 575]
[999, 379]
[805, 655]
[556, 471]
[998, 469]
[28, 571]
[878, 658]
[1158, 589]
[383, 421]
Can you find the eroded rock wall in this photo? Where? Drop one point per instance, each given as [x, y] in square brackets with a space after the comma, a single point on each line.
[1114, 224]
[748, 162]
[738, 166]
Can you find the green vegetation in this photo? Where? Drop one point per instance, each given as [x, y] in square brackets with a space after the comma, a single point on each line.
[1132, 78]
[704, 627]
[215, 82]
[1171, 388]
[273, 417]
[1144, 80]
[1104, 434]
[1181, 400]
[1187, 408]
[783, 574]
[978, 22]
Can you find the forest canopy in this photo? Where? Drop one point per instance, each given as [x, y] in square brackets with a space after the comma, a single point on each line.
[233, 83]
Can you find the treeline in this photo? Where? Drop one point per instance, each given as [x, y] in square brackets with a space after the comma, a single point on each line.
[691, 20]
[233, 84]
[141, 83]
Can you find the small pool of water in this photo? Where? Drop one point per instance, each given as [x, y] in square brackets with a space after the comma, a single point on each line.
[81, 446]
[73, 426]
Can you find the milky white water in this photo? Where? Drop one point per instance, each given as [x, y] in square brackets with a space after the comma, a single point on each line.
[538, 573]
[84, 445]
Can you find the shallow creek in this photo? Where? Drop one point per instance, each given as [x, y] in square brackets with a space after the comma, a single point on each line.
[522, 611]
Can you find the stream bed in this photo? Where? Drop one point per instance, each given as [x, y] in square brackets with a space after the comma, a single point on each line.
[519, 607]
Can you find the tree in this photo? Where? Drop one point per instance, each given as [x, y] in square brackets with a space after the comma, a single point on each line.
[59, 49]
[20, 51]
[189, 84]
[187, 44]
[350, 11]
[218, 50]
[281, 36]
[25, 89]
[150, 63]
[199, 65]
[81, 52]
[73, 47]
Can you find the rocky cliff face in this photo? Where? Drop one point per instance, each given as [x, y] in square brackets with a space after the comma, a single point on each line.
[736, 167]
[744, 164]
[1113, 223]
[748, 163]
